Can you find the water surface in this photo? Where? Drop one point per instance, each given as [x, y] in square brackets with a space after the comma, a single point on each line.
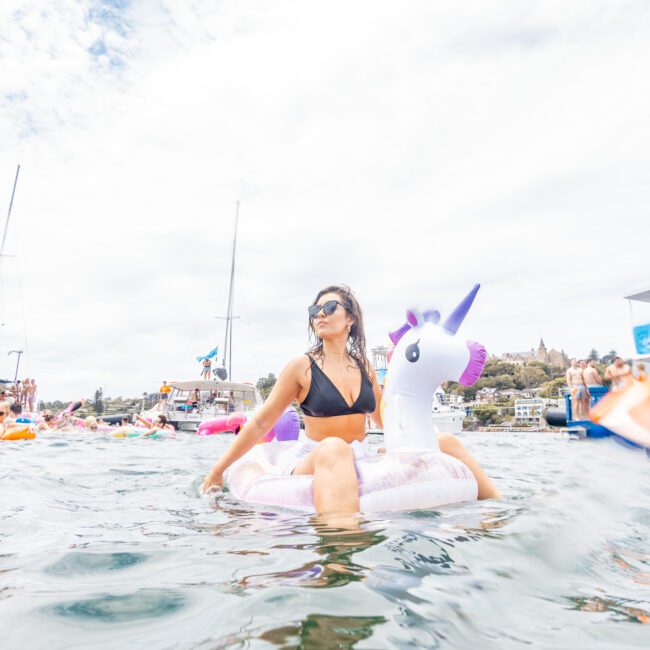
[106, 543]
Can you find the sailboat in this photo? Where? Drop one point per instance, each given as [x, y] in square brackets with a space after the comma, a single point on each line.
[192, 402]
[3, 255]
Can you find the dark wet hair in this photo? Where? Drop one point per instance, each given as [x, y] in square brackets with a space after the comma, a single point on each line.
[163, 420]
[356, 337]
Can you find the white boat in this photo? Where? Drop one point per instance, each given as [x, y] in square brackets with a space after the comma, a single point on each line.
[215, 399]
[446, 417]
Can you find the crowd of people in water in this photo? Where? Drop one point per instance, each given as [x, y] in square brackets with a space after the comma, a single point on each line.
[582, 377]
[14, 417]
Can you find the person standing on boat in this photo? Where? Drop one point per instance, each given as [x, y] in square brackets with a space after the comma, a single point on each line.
[207, 367]
[592, 380]
[31, 396]
[163, 396]
[619, 373]
[25, 394]
[336, 387]
[591, 375]
[578, 389]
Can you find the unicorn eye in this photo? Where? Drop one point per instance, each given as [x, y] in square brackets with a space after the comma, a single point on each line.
[413, 352]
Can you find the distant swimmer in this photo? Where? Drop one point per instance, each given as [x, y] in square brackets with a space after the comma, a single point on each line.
[619, 373]
[4, 412]
[15, 411]
[578, 389]
[48, 421]
[8, 424]
[159, 424]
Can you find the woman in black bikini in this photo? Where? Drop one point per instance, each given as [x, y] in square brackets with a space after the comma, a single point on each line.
[336, 387]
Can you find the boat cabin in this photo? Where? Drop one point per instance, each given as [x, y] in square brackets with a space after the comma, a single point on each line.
[191, 402]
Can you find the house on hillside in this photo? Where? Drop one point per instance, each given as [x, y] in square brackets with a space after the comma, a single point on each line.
[487, 395]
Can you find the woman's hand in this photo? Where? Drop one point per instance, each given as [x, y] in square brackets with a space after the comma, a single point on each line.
[212, 481]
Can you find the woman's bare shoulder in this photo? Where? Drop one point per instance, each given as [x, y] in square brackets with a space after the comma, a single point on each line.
[298, 364]
[297, 370]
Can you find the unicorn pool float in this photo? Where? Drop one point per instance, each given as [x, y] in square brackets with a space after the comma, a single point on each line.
[412, 474]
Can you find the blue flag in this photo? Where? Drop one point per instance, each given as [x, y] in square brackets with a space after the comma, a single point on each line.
[209, 355]
[642, 338]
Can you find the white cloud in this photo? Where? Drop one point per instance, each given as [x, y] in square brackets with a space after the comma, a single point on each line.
[406, 149]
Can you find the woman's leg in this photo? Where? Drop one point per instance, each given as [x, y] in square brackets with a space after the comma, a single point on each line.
[449, 444]
[336, 488]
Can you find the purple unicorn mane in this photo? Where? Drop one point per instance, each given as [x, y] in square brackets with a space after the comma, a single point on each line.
[477, 359]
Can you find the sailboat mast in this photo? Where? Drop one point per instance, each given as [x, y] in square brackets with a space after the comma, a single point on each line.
[2, 250]
[227, 347]
[13, 192]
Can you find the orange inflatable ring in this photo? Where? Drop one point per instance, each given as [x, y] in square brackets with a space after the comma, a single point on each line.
[24, 433]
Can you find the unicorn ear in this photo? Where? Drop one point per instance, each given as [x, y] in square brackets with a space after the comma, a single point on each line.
[431, 316]
[414, 317]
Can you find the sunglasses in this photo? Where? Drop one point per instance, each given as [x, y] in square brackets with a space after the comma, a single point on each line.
[328, 308]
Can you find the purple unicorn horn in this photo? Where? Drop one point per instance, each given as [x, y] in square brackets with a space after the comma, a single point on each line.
[456, 318]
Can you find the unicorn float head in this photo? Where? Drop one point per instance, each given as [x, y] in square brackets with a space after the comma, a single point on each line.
[426, 354]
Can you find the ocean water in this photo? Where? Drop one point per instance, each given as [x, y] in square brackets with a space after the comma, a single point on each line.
[106, 543]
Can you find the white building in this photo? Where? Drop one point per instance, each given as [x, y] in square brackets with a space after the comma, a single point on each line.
[529, 411]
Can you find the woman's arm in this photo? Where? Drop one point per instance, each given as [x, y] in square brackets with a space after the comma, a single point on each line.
[286, 389]
[147, 424]
[376, 389]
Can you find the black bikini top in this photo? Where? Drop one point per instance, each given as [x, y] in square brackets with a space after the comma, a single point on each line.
[324, 399]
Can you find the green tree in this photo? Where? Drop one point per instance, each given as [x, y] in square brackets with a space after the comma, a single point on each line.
[609, 357]
[504, 382]
[495, 367]
[530, 376]
[265, 384]
[593, 355]
[552, 388]
[487, 414]
[541, 365]
[99, 403]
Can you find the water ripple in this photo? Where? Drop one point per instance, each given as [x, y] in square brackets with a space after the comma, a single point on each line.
[108, 544]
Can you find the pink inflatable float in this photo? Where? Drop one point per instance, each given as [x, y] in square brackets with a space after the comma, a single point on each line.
[286, 428]
[233, 422]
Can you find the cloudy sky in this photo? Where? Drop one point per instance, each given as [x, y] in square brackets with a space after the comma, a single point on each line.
[407, 149]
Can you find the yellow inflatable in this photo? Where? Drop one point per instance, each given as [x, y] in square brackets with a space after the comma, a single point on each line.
[24, 433]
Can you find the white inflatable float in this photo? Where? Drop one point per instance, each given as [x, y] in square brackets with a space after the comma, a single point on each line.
[413, 474]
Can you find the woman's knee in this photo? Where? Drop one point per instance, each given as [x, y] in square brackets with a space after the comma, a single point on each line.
[448, 443]
[333, 450]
